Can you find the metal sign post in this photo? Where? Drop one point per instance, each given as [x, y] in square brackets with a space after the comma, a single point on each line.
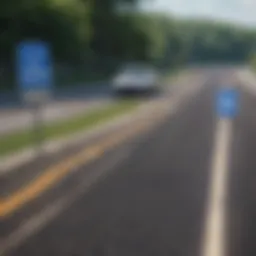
[35, 80]
[38, 126]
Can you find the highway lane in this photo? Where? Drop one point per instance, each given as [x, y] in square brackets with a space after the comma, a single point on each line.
[152, 202]
[63, 104]
[152, 191]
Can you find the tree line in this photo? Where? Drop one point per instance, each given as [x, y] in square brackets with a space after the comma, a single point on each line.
[96, 30]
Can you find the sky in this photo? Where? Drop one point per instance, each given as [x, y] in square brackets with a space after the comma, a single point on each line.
[237, 11]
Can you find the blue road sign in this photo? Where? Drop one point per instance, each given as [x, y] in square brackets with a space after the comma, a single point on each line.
[34, 67]
[227, 102]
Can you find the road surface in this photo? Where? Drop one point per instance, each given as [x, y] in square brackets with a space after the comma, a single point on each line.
[180, 184]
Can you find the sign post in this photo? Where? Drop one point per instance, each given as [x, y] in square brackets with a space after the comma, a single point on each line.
[35, 79]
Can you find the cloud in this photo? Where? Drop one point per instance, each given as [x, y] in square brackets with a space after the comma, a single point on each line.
[249, 3]
[234, 10]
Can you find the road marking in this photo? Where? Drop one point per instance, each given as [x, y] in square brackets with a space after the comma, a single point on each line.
[40, 220]
[57, 172]
[214, 239]
[37, 222]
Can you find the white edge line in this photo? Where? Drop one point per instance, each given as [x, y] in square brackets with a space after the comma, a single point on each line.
[214, 236]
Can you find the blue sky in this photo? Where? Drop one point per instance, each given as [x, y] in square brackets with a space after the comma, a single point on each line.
[239, 11]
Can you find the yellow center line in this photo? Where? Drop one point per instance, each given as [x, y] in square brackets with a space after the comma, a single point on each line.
[57, 172]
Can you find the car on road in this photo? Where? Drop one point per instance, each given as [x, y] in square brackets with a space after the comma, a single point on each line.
[136, 79]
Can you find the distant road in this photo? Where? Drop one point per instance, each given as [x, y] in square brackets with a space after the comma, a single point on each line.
[64, 104]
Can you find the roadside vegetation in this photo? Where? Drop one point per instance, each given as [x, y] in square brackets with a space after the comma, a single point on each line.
[16, 141]
[89, 39]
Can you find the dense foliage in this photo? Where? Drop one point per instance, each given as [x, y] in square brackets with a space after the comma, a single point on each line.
[89, 30]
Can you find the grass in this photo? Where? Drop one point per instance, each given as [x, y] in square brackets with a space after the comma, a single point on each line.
[16, 141]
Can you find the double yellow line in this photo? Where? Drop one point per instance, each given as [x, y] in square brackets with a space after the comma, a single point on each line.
[57, 172]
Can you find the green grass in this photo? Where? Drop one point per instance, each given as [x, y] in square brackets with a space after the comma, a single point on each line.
[16, 141]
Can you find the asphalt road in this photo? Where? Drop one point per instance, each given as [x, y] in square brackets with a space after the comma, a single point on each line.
[184, 187]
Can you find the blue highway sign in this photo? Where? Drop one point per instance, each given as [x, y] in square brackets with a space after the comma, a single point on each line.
[34, 67]
[227, 102]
